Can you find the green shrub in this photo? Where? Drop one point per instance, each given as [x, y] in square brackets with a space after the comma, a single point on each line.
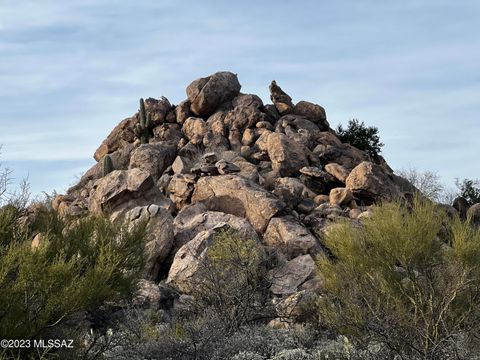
[408, 278]
[469, 190]
[78, 265]
[232, 280]
[362, 137]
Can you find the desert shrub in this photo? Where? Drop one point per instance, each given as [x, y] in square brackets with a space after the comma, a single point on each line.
[361, 136]
[470, 190]
[232, 280]
[78, 264]
[428, 182]
[406, 279]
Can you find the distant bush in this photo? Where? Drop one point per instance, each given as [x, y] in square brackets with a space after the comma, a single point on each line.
[470, 190]
[428, 182]
[408, 279]
[361, 136]
[77, 265]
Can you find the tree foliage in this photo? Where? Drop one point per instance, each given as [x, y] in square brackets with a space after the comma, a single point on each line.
[408, 278]
[428, 182]
[78, 264]
[363, 137]
[470, 190]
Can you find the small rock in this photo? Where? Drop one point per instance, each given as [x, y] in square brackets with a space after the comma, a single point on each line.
[225, 167]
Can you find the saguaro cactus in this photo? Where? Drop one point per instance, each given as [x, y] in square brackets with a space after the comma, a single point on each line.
[142, 128]
[107, 165]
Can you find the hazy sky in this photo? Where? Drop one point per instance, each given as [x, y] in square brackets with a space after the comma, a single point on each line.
[71, 70]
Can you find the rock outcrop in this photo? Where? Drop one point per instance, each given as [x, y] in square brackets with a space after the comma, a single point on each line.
[276, 173]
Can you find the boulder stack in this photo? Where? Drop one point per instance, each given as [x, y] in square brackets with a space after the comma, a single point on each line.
[220, 159]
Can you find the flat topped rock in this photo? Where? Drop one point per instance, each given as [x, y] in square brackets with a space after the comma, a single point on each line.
[312, 171]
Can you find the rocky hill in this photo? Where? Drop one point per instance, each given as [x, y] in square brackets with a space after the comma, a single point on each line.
[276, 173]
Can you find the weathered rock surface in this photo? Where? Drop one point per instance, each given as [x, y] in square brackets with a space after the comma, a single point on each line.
[473, 213]
[187, 260]
[153, 158]
[368, 181]
[287, 278]
[159, 235]
[124, 190]
[207, 94]
[275, 173]
[196, 218]
[121, 135]
[287, 156]
[235, 195]
[290, 237]
[312, 112]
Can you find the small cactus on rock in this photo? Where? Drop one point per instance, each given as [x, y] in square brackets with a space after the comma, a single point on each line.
[142, 128]
[107, 165]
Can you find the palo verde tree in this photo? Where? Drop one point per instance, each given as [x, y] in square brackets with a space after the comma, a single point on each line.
[408, 278]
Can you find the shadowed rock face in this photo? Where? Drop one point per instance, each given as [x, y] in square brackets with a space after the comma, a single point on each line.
[275, 173]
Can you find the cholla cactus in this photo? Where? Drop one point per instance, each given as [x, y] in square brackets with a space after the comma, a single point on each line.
[142, 128]
[107, 165]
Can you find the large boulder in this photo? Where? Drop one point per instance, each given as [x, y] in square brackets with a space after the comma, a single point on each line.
[290, 237]
[122, 190]
[287, 156]
[119, 137]
[236, 195]
[368, 182]
[180, 189]
[473, 213]
[195, 218]
[158, 109]
[159, 235]
[194, 129]
[312, 112]
[287, 278]
[153, 158]
[291, 191]
[207, 94]
[186, 265]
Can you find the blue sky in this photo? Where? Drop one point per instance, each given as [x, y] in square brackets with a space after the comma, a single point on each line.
[71, 70]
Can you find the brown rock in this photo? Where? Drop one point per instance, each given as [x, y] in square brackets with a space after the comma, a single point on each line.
[287, 156]
[287, 278]
[290, 237]
[247, 100]
[312, 112]
[280, 99]
[181, 188]
[340, 196]
[168, 132]
[159, 235]
[120, 136]
[337, 171]
[233, 194]
[153, 158]
[194, 129]
[368, 182]
[195, 218]
[158, 109]
[122, 190]
[473, 213]
[186, 263]
[321, 199]
[207, 94]
[291, 190]
[182, 111]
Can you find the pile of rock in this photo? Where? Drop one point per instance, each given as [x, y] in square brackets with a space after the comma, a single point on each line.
[275, 172]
